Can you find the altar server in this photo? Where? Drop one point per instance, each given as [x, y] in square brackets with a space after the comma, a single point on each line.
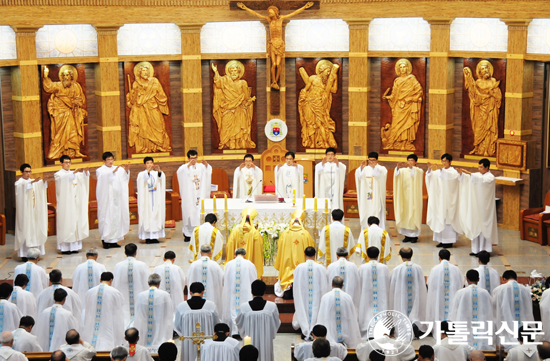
[54, 322]
[304, 351]
[77, 349]
[310, 284]
[6, 350]
[348, 272]
[194, 180]
[188, 313]
[172, 279]
[246, 236]
[489, 278]
[31, 213]
[151, 199]
[87, 274]
[210, 274]
[447, 349]
[443, 203]
[113, 207]
[333, 236]
[23, 299]
[473, 304]
[375, 286]
[524, 351]
[72, 189]
[289, 176]
[134, 352]
[237, 279]
[407, 198]
[10, 314]
[511, 302]
[45, 299]
[221, 347]
[375, 236]
[338, 314]
[130, 279]
[24, 341]
[207, 233]
[330, 177]
[102, 316]
[38, 279]
[408, 283]
[158, 325]
[370, 179]
[479, 214]
[247, 179]
[259, 319]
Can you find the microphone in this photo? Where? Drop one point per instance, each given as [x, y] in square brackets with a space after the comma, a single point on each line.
[251, 193]
[281, 198]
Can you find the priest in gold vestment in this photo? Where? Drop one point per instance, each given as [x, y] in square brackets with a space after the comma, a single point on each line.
[246, 236]
[290, 251]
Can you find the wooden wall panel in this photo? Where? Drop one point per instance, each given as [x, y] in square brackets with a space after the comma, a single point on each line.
[93, 152]
[261, 105]
[291, 110]
[457, 110]
[207, 108]
[374, 142]
[345, 106]
[7, 118]
[123, 120]
[176, 108]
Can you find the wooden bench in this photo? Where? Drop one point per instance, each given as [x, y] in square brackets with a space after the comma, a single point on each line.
[100, 356]
[3, 228]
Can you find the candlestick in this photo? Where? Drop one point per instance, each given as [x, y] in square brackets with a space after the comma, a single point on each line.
[247, 340]
[304, 203]
[225, 202]
[315, 204]
[294, 197]
[202, 206]
[326, 205]
[214, 204]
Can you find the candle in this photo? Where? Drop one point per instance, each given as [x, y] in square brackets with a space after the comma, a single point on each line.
[326, 205]
[294, 197]
[225, 202]
[315, 204]
[214, 204]
[304, 203]
[202, 206]
[247, 340]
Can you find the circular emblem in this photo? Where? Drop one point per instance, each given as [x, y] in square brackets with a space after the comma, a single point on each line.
[276, 130]
[381, 325]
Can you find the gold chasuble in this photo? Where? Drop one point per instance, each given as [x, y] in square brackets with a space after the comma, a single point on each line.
[291, 247]
[246, 236]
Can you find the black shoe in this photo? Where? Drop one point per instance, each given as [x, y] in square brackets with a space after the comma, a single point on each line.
[440, 245]
[74, 252]
[473, 254]
[186, 239]
[153, 241]
[67, 252]
[114, 245]
[106, 245]
[416, 331]
[237, 337]
[302, 336]
[406, 239]
[447, 245]
[148, 241]
[413, 240]
[175, 334]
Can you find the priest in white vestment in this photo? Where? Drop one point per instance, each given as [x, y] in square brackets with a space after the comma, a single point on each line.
[339, 315]
[188, 313]
[375, 236]
[488, 276]
[45, 299]
[207, 233]
[348, 272]
[154, 315]
[370, 179]
[72, 191]
[210, 274]
[259, 319]
[222, 347]
[31, 213]
[88, 274]
[38, 279]
[113, 207]
[444, 281]
[289, 176]
[54, 322]
[102, 326]
[310, 284]
[194, 180]
[172, 279]
[511, 302]
[391, 344]
[545, 312]
[23, 299]
[443, 215]
[474, 304]
[407, 198]
[408, 293]
[479, 214]
[451, 350]
[330, 177]
[303, 350]
[77, 349]
[527, 348]
[374, 278]
[6, 349]
[135, 352]
[151, 201]
[23, 339]
[247, 179]
[333, 236]
[9, 313]
[237, 279]
[130, 279]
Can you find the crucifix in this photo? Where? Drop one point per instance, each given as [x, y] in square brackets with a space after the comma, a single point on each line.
[198, 339]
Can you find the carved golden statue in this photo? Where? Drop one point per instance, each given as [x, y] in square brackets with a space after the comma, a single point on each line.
[65, 107]
[148, 103]
[233, 107]
[485, 100]
[276, 46]
[405, 101]
[314, 105]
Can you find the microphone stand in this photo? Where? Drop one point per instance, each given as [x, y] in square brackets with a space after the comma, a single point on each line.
[278, 193]
[252, 192]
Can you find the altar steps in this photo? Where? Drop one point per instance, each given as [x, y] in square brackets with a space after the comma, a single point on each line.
[285, 307]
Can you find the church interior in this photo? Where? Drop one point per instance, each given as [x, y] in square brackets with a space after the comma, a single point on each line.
[374, 55]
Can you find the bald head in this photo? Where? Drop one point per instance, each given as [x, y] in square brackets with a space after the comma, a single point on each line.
[58, 356]
[6, 338]
[477, 356]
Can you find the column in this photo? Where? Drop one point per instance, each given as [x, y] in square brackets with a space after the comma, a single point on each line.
[440, 123]
[359, 88]
[107, 91]
[26, 99]
[191, 82]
